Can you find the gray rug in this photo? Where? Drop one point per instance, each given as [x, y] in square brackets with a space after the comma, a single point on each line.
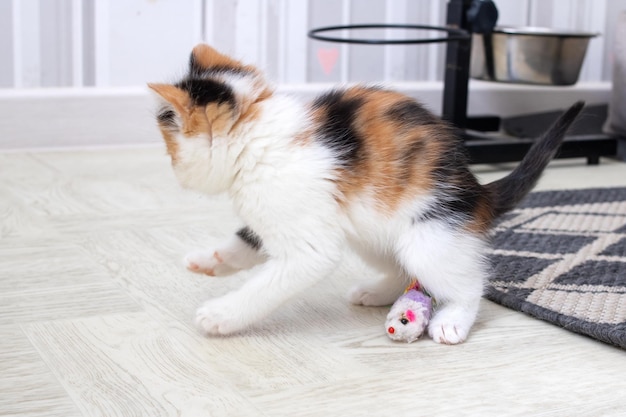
[561, 257]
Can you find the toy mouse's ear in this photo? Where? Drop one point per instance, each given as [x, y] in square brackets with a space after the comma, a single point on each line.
[410, 315]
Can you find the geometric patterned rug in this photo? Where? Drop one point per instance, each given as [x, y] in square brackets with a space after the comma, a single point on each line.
[561, 257]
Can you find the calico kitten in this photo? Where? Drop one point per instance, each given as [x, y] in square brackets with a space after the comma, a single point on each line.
[360, 166]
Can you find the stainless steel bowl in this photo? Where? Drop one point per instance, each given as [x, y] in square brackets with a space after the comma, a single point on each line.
[529, 55]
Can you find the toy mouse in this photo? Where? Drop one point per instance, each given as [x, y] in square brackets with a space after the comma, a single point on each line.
[409, 315]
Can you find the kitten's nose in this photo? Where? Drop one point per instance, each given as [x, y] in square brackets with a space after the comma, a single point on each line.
[391, 330]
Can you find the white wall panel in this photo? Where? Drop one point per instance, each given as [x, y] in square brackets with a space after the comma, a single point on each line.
[324, 60]
[222, 28]
[28, 71]
[424, 62]
[55, 43]
[293, 53]
[102, 41]
[436, 52]
[248, 23]
[6, 44]
[271, 46]
[367, 62]
[345, 49]
[9, 44]
[129, 42]
[591, 16]
[613, 9]
[514, 13]
[77, 43]
[148, 40]
[88, 42]
[395, 56]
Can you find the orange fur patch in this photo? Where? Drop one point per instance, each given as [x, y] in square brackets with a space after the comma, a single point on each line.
[207, 57]
[384, 169]
[483, 217]
[170, 143]
[173, 95]
[196, 123]
[220, 118]
[179, 99]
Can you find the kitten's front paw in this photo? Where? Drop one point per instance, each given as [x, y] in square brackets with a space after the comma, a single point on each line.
[218, 317]
[208, 262]
[448, 332]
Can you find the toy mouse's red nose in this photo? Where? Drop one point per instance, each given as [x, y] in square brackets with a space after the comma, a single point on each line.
[391, 330]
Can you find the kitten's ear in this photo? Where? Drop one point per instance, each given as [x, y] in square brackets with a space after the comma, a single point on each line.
[179, 99]
[204, 57]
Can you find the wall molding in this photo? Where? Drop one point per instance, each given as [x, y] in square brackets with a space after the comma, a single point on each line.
[92, 117]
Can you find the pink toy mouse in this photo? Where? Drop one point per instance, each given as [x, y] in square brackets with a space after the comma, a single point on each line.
[409, 315]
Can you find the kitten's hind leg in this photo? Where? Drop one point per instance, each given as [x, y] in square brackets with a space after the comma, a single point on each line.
[450, 265]
[382, 291]
[241, 251]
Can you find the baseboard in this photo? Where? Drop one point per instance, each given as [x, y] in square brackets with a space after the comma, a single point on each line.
[54, 118]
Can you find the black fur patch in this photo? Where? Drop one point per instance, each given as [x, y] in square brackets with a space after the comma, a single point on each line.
[457, 191]
[252, 239]
[337, 130]
[410, 114]
[194, 67]
[205, 91]
[167, 117]
[453, 208]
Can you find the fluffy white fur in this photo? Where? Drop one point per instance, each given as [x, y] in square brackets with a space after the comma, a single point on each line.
[286, 193]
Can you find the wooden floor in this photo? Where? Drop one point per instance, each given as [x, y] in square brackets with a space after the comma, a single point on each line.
[96, 316]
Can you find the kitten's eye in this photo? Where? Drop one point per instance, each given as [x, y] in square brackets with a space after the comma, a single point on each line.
[404, 321]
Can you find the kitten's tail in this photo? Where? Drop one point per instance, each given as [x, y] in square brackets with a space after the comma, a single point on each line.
[507, 192]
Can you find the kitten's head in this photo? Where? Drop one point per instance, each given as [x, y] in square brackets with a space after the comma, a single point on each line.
[200, 112]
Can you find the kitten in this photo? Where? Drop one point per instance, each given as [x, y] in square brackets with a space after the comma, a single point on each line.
[360, 166]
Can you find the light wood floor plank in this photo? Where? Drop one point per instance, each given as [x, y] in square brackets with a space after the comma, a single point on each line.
[65, 302]
[27, 387]
[130, 365]
[36, 263]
